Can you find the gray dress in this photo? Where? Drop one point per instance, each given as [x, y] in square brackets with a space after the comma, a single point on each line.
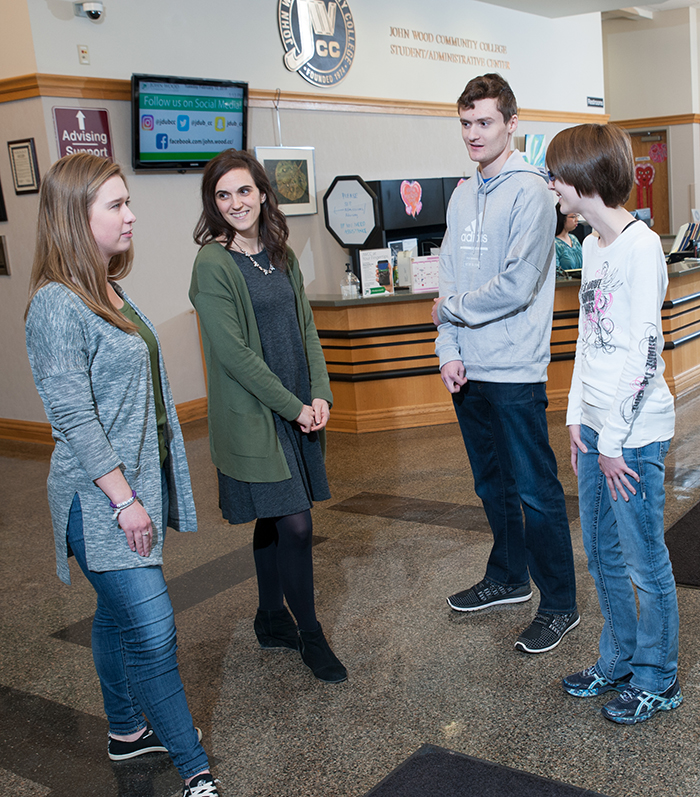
[272, 297]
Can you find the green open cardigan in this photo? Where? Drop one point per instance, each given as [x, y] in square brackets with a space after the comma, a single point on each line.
[243, 392]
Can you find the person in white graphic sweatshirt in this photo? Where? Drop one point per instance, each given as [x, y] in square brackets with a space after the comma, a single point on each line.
[621, 420]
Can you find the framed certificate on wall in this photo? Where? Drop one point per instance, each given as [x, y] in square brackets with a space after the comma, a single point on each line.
[25, 169]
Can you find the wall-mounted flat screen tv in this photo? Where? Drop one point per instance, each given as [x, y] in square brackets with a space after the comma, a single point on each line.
[179, 124]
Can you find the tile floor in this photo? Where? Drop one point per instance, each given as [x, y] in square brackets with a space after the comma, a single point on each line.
[403, 530]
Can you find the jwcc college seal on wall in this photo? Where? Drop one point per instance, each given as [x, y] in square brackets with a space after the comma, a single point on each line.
[319, 39]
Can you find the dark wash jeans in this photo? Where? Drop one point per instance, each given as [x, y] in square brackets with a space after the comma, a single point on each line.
[504, 426]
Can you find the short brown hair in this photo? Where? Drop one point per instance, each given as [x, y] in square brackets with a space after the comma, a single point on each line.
[212, 226]
[66, 251]
[490, 86]
[594, 159]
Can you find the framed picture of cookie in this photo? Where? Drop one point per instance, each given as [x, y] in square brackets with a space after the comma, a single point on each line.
[291, 172]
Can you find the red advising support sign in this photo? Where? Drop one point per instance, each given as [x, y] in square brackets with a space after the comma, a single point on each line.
[319, 39]
[83, 130]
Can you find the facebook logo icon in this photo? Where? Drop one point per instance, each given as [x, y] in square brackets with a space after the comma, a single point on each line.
[183, 123]
[162, 141]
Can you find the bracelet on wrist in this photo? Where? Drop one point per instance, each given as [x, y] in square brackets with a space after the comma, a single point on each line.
[123, 505]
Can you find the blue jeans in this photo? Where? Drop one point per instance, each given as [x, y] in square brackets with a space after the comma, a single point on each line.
[624, 542]
[504, 426]
[134, 647]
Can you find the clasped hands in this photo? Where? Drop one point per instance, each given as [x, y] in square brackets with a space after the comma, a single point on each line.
[315, 417]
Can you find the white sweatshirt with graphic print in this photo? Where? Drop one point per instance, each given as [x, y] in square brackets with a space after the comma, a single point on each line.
[618, 388]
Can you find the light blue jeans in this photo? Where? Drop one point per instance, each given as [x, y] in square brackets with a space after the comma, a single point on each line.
[624, 542]
[134, 647]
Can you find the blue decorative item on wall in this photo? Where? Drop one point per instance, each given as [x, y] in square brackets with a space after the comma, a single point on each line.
[534, 149]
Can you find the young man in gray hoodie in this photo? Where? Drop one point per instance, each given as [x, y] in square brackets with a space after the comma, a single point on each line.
[494, 317]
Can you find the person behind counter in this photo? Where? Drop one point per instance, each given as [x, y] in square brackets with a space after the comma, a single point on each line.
[569, 255]
[118, 469]
[621, 420]
[269, 396]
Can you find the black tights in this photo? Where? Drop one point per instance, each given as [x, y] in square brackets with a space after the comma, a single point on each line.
[282, 550]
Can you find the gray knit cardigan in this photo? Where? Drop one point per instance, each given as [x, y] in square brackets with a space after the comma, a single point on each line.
[96, 386]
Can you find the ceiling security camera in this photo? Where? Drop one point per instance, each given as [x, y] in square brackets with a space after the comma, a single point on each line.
[91, 10]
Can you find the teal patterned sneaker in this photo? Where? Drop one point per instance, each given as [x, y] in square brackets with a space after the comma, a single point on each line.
[637, 705]
[588, 683]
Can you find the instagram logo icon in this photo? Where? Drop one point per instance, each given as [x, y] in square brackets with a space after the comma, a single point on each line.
[147, 122]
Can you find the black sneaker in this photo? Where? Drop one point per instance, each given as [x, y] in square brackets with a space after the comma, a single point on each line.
[588, 683]
[546, 631]
[148, 742]
[636, 705]
[488, 593]
[201, 786]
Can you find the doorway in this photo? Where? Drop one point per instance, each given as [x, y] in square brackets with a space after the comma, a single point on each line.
[650, 188]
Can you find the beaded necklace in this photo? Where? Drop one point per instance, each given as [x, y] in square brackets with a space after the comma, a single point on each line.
[265, 271]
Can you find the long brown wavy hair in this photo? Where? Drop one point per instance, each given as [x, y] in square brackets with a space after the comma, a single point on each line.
[213, 227]
[66, 251]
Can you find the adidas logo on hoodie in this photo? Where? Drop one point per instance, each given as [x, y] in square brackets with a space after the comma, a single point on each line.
[470, 236]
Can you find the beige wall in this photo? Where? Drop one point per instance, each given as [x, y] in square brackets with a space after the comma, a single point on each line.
[17, 55]
[176, 38]
[651, 65]
[239, 40]
[652, 70]
[17, 397]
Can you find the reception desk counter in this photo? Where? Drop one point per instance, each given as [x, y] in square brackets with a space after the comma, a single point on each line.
[384, 373]
[380, 354]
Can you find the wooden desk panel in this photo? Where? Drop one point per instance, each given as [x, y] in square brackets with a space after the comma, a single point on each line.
[384, 371]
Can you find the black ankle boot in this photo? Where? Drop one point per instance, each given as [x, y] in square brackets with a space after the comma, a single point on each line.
[276, 629]
[317, 655]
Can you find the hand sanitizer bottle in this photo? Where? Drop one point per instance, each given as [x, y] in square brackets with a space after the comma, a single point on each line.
[349, 285]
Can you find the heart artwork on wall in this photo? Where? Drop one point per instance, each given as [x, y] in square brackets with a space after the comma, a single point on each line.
[644, 174]
[411, 192]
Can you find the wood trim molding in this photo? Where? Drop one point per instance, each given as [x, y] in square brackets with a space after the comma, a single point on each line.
[684, 383]
[193, 410]
[391, 418]
[262, 98]
[34, 432]
[658, 121]
[25, 431]
[38, 85]
[41, 85]
[532, 115]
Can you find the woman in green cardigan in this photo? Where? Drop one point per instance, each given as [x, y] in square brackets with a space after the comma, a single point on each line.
[269, 395]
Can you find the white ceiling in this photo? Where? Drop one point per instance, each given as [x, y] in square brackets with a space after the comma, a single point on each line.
[569, 8]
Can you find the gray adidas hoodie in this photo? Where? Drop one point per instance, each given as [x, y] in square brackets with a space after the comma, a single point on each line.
[497, 275]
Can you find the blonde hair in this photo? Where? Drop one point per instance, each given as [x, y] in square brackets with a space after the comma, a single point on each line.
[66, 251]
